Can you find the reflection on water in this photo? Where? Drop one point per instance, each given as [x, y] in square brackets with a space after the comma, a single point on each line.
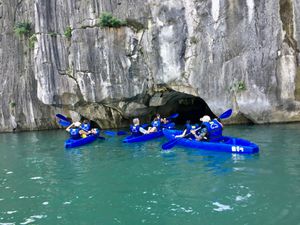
[110, 182]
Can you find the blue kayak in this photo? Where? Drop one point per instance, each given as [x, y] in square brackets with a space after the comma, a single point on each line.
[71, 143]
[226, 144]
[145, 137]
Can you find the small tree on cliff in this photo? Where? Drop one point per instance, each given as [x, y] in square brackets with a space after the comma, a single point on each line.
[23, 28]
[108, 20]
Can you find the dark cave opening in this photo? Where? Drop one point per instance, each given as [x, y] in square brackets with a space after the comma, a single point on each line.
[92, 122]
[188, 106]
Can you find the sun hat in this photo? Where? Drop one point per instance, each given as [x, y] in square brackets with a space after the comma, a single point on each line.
[205, 118]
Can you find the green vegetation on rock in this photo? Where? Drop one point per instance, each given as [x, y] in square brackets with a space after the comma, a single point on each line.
[12, 104]
[32, 40]
[68, 32]
[238, 86]
[23, 29]
[108, 20]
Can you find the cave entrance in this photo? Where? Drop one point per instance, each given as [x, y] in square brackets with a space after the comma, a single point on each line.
[92, 122]
[188, 106]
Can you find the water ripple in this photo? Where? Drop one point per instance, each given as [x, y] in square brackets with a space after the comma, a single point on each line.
[221, 207]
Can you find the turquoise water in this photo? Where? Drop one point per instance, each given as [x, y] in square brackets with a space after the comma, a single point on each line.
[109, 182]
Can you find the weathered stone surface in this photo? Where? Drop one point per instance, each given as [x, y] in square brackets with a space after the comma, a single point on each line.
[233, 54]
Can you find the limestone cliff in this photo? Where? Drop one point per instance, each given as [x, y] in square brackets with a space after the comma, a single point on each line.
[172, 55]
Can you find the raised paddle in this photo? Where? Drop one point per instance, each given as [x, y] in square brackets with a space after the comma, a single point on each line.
[64, 123]
[173, 142]
[62, 117]
[173, 116]
[101, 138]
[226, 114]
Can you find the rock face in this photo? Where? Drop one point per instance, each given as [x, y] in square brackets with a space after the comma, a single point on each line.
[231, 54]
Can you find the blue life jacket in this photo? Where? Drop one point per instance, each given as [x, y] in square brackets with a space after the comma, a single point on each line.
[157, 124]
[190, 127]
[135, 130]
[214, 130]
[85, 126]
[74, 133]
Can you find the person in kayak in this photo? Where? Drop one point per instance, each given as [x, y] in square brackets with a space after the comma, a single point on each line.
[136, 129]
[162, 120]
[209, 130]
[86, 125]
[187, 130]
[157, 124]
[75, 131]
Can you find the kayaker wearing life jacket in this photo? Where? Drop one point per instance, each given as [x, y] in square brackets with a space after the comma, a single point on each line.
[157, 123]
[187, 130]
[74, 130]
[210, 130]
[136, 129]
[86, 126]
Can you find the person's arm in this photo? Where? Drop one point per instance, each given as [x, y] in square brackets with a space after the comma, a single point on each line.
[69, 127]
[143, 131]
[181, 135]
[193, 132]
[202, 134]
[81, 131]
[164, 120]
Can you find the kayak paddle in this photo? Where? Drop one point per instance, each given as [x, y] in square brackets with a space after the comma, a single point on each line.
[110, 133]
[121, 132]
[173, 116]
[113, 133]
[226, 114]
[64, 123]
[62, 117]
[173, 142]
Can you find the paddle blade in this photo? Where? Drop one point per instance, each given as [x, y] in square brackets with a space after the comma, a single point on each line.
[101, 138]
[64, 123]
[109, 133]
[226, 114]
[62, 117]
[169, 144]
[173, 116]
[121, 132]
